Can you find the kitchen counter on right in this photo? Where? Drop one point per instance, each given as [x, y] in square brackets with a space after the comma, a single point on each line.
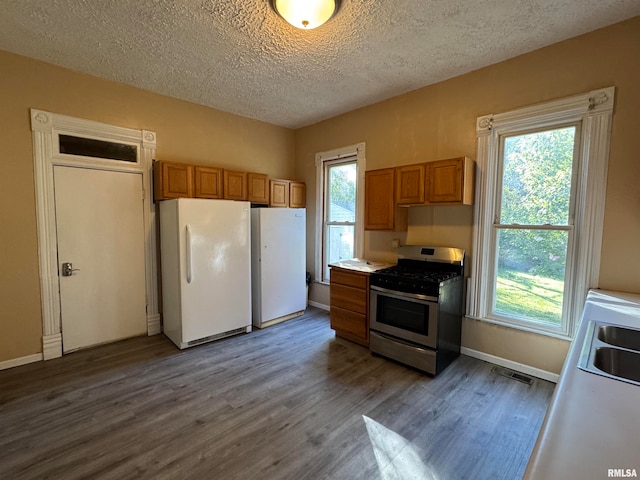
[592, 427]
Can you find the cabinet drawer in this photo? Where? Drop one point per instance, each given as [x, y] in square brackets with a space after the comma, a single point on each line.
[350, 298]
[351, 279]
[349, 322]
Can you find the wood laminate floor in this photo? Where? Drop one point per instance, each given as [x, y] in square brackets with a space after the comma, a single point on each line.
[287, 402]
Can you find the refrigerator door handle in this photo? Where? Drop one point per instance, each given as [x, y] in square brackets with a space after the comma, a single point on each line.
[188, 248]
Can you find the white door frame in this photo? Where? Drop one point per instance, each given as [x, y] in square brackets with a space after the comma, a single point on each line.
[46, 127]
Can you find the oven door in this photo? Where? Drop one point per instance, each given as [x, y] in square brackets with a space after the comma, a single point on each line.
[406, 316]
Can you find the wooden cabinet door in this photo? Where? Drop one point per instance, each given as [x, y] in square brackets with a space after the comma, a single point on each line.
[380, 211]
[172, 180]
[297, 195]
[208, 182]
[378, 199]
[445, 181]
[258, 188]
[410, 184]
[451, 181]
[279, 193]
[235, 185]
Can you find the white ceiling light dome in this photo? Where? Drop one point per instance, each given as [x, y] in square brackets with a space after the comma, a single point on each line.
[306, 14]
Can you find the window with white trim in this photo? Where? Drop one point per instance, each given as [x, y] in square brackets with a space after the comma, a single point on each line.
[340, 207]
[540, 212]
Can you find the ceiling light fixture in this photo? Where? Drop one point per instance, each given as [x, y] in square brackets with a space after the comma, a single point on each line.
[306, 14]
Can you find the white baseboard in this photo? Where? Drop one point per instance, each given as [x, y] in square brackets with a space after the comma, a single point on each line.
[518, 367]
[153, 324]
[321, 306]
[16, 362]
[51, 346]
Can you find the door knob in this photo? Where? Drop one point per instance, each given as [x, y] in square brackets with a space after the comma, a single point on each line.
[67, 269]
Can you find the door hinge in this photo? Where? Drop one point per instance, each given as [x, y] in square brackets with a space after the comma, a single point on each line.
[143, 194]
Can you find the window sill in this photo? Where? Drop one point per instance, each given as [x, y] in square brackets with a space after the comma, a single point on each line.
[523, 328]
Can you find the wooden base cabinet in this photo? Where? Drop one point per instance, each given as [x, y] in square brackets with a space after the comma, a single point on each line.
[350, 325]
[349, 298]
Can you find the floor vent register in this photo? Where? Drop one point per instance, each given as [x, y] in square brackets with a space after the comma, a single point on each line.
[506, 372]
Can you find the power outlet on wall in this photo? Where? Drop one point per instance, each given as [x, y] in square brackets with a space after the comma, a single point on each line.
[395, 243]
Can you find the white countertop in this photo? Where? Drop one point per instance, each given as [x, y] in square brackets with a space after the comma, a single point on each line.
[361, 265]
[593, 422]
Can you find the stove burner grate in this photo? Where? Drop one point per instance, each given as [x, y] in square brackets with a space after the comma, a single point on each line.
[416, 275]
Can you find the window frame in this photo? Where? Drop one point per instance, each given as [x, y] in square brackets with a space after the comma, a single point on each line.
[569, 227]
[340, 155]
[326, 223]
[592, 113]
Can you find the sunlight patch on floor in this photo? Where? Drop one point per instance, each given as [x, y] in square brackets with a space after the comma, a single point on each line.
[397, 458]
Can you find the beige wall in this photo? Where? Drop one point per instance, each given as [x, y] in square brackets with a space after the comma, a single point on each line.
[428, 124]
[185, 133]
[438, 122]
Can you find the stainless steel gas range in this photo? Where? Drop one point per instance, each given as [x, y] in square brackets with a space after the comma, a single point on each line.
[416, 307]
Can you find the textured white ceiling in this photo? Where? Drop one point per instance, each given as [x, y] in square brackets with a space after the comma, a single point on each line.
[240, 57]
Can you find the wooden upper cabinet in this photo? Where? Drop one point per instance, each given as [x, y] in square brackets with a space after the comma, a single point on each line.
[208, 182]
[297, 195]
[380, 211]
[410, 184]
[235, 185]
[450, 181]
[258, 185]
[279, 193]
[178, 180]
[172, 180]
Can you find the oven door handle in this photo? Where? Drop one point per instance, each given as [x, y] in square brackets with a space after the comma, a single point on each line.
[412, 296]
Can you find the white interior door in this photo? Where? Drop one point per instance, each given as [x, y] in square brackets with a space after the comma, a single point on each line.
[100, 231]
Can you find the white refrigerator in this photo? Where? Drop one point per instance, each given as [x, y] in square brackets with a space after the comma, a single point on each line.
[205, 248]
[278, 264]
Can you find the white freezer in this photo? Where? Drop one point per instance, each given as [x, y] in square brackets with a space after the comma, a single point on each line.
[278, 264]
[206, 269]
